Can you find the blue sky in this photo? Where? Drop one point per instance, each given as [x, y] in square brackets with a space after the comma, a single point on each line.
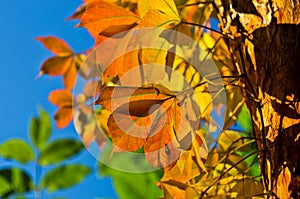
[21, 57]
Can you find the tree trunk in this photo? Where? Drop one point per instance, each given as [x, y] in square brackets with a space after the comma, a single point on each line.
[268, 54]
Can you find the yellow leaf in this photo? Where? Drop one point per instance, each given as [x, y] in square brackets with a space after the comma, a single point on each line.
[155, 18]
[165, 6]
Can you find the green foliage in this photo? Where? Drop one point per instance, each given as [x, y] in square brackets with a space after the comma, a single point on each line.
[59, 150]
[64, 177]
[18, 150]
[16, 181]
[244, 120]
[40, 129]
[133, 185]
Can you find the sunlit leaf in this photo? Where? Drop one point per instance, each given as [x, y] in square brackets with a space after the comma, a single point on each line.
[156, 18]
[60, 98]
[40, 129]
[121, 65]
[102, 16]
[284, 180]
[18, 150]
[64, 100]
[130, 123]
[113, 97]
[55, 66]
[78, 13]
[67, 66]
[59, 150]
[173, 189]
[64, 177]
[165, 6]
[56, 45]
[69, 77]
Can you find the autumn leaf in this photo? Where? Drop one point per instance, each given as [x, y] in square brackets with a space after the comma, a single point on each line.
[65, 63]
[78, 13]
[111, 97]
[56, 46]
[102, 17]
[121, 65]
[164, 6]
[145, 116]
[190, 165]
[156, 18]
[63, 99]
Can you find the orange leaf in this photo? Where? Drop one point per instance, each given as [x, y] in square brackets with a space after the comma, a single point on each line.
[145, 116]
[112, 97]
[162, 148]
[61, 98]
[56, 45]
[78, 13]
[63, 116]
[55, 66]
[125, 131]
[121, 65]
[64, 100]
[101, 15]
[69, 77]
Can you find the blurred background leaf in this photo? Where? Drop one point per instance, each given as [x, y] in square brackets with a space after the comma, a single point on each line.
[18, 150]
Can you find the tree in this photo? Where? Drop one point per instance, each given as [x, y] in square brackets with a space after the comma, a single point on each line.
[266, 54]
[255, 48]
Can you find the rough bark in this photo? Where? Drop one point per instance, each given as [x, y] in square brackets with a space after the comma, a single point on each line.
[266, 49]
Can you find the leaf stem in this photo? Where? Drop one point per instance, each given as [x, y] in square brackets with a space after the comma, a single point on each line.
[37, 173]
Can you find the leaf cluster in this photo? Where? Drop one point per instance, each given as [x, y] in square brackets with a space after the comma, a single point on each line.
[42, 154]
[201, 157]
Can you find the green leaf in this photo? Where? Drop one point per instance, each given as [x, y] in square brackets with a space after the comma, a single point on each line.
[244, 120]
[132, 185]
[59, 150]
[64, 177]
[18, 150]
[40, 129]
[19, 181]
[5, 186]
